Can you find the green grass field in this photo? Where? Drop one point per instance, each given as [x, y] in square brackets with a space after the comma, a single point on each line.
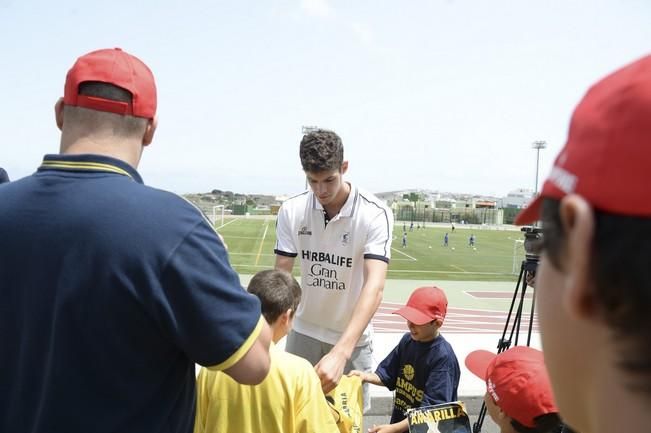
[251, 242]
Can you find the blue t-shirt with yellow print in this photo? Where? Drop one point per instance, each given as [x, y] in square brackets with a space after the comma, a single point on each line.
[422, 374]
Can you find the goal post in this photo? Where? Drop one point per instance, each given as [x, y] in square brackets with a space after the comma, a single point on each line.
[214, 214]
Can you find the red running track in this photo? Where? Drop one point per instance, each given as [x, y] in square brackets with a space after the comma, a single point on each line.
[457, 321]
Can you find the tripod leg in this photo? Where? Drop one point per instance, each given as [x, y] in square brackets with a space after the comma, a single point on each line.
[476, 427]
[504, 343]
[517, 323]
[531, 315]
[520, 289]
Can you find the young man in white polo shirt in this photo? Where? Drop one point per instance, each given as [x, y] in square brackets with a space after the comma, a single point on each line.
[342, 238]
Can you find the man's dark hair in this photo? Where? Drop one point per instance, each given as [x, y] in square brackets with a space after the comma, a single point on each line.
[278, 291]
[621, 274]
[105, 91]
[4, 177]
[122, 125]
[547, 423]
[321, 150]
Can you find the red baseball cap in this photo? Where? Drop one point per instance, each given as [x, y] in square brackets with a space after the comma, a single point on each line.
[424, 305]
[607, 156]
[517, 380]
[113, 66]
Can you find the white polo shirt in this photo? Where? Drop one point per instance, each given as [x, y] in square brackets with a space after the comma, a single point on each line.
[332, 257]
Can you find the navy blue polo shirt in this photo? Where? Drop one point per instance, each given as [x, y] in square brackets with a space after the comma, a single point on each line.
[110, 292]
[421, 373]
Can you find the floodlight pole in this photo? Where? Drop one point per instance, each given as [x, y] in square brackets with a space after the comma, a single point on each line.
[538, 144]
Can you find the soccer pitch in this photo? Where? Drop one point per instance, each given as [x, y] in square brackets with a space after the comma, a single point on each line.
[496, 254]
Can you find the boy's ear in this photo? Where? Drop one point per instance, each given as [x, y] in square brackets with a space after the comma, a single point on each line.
[287, 316]
[438, 322]
[578, 222]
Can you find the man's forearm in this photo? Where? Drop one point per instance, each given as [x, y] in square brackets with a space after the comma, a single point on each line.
[364, 310]
[367, 304]
[284, 263]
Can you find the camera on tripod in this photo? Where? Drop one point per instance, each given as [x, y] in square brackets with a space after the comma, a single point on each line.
[533, 239]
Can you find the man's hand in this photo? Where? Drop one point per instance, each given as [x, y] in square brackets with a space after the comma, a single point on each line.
[330, 369]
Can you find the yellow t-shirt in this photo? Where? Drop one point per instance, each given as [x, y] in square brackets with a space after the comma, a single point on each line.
[289, 400]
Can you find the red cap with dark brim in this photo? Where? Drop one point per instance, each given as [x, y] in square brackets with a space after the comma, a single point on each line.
[116, 67]
[517, 381]
[424, 305]
[477, 362]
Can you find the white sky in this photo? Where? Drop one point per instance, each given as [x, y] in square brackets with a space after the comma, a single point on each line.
[439, 94]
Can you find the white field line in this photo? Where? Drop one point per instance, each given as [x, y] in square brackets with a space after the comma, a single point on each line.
[264, 235]
[251, 254]
[248, 265]
[244, 237]
[225, 224]
[414, 259]
[396, 305]
[273, 254]
[445, 272]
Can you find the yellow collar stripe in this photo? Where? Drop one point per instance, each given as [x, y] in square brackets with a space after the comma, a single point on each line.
[97, 166]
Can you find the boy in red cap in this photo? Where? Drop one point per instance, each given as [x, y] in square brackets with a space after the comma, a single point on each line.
[593, 286]
[518, 394]
[422, 369]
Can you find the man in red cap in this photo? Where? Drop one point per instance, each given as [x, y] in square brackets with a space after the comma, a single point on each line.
[422, 369]
[112, 290]
[594, 282]
[518, 394]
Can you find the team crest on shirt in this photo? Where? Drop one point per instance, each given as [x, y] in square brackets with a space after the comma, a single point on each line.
[304, 231]
[345, 238]
[408, 371]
